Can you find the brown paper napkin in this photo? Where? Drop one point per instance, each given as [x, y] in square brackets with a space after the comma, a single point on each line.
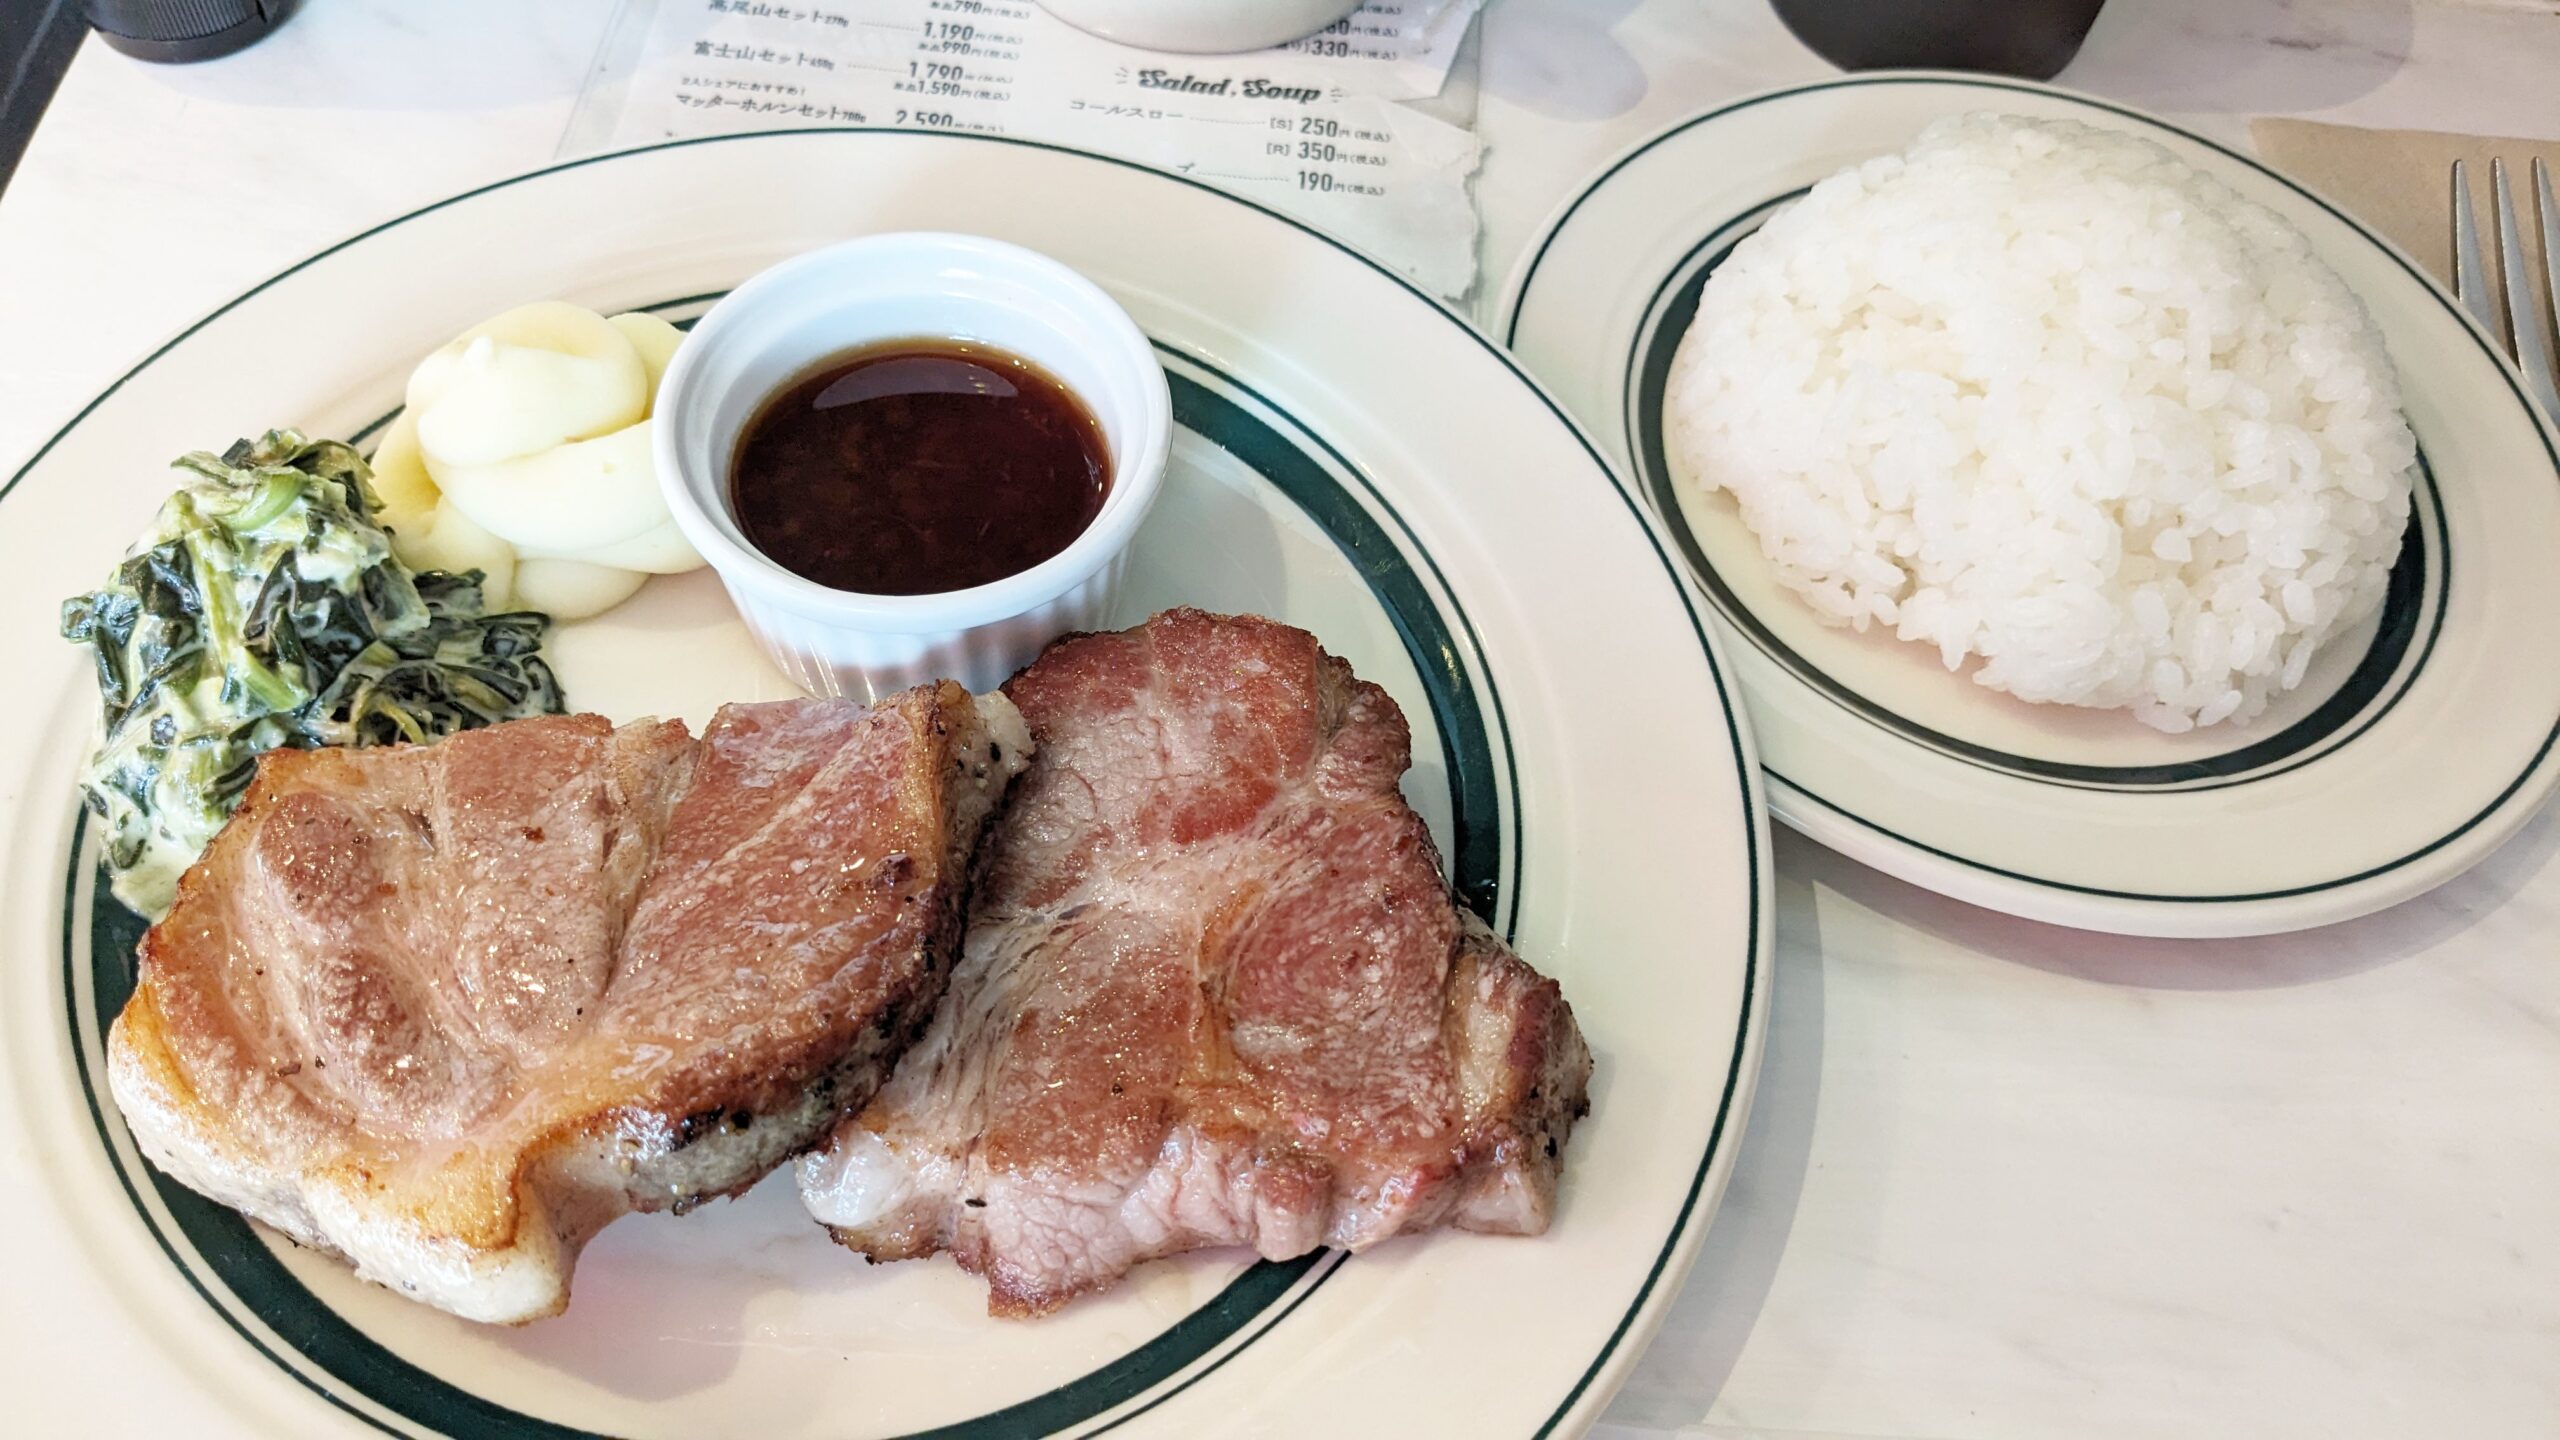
[2400, 182]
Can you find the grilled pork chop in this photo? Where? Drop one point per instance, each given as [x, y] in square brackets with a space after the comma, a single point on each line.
[1214, 992]
[447, 1010]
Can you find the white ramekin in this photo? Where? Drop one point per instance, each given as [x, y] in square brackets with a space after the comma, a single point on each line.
[896, 287]
[1201, 26]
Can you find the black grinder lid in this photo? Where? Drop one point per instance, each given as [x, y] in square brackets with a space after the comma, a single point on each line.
[176, 31]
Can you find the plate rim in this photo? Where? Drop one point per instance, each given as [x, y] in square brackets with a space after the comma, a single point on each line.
[1651, 1299]
[2056, 901]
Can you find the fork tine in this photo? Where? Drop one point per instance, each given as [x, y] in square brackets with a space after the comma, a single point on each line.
[2470, 270]
[2550, 208]
[2524, 318]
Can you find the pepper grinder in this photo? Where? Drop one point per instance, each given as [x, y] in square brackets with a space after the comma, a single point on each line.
[180, 31]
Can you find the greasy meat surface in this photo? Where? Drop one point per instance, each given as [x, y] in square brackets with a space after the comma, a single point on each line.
[446, 1010]
[1214, 993]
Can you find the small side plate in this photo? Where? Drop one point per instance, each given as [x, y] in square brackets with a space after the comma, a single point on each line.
[2417, 745]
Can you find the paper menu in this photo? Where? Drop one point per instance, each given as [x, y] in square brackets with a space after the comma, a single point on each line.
[1311, 129]
[1392, 49]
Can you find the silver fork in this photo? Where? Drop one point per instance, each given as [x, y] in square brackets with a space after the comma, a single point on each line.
[2518, 321]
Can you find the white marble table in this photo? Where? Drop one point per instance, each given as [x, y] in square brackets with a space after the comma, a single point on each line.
[2001, 1179]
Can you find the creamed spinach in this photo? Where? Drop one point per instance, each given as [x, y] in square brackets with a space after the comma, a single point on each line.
[264, 608]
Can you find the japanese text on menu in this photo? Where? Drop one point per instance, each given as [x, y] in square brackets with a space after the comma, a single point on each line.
[1309, 128]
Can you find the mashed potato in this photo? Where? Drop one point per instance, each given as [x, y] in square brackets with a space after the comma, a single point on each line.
[524, 453]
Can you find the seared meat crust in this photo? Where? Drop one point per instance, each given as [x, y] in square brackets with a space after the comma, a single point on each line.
[1214, 992]
[447, 1010]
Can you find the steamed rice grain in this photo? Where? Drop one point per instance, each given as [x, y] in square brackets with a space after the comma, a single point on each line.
[2041, 395]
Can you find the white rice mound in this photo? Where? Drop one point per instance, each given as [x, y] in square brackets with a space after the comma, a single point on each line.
[2042, 394]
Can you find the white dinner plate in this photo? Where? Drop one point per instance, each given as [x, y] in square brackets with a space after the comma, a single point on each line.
[2417, 744]
[1350, 457]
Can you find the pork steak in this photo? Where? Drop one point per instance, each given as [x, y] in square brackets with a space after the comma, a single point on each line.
[1214, 992]
[446, 1010]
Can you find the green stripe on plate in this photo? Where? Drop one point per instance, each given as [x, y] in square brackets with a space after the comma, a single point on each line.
[235, 1254]
[1748, 797]
[2507, 372]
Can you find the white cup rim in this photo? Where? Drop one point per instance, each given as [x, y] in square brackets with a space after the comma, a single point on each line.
[1137, 463]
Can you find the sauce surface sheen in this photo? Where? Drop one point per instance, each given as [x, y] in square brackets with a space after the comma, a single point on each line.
[918, 467]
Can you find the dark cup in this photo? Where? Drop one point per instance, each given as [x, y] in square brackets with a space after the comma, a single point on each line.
[2032, 39]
